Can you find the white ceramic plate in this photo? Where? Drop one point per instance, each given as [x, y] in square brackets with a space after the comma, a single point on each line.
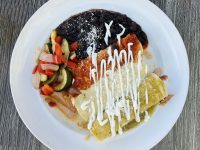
[57, 133]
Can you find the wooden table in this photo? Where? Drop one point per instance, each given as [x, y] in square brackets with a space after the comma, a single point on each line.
[185, 14]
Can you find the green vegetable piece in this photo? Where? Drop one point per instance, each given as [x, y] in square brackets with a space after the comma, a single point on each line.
[49, 46]
[43, 77]
[67, 80]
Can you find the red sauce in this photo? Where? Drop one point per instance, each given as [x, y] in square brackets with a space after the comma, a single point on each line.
[82, 72]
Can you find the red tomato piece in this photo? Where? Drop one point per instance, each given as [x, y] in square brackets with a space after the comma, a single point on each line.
[58, 59]
[58, 39]
[39, 69]
[49, 73]
[74, 46]
[47, 90]
[58, 50]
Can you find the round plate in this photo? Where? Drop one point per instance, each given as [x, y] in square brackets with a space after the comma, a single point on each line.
[56, 132]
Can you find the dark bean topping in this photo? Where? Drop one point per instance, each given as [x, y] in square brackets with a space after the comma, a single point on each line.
[78, 27]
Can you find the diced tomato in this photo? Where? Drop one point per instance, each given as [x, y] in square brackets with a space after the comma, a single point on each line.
[47, 90]
[71, 64]
[35, 69]
[58, 59]
[49, 73]
[58, 39]
[74, 46]
[58, 50]
[39, 69]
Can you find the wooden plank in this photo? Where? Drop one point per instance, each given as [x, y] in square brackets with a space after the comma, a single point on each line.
[185, 134]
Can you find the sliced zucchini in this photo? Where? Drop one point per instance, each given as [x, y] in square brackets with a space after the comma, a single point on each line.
[43, 77]
[65, 48]
[52, 79]
[66, 80]
[49, 47]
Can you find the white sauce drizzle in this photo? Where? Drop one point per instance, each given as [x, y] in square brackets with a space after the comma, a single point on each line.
[119, 35]
[146, 96]
[89, 50]
[146, 92]
[146, 117]
[117, 93]
[114, 106]
[92, 116]
[108, 33]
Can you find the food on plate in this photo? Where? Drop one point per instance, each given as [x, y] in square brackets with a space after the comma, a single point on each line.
[93, 69]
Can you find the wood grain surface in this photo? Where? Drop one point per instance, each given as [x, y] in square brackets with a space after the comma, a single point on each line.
[185, 135]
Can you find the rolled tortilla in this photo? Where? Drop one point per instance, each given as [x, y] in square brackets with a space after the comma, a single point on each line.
[156, 92]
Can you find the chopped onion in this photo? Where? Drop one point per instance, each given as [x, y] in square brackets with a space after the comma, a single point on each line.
[74, 91]
[49, 67]
[46, 57]
[38, 51]
[36, 80]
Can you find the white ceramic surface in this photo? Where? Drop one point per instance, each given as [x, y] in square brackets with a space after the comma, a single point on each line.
[58, 133]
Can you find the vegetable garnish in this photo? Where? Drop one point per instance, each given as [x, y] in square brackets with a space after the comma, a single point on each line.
[47, 90]
[49, 73]
[58, 50]
[58, 39]
[49, 67]
[66, 80]
[58, 59]
[46, 57]
[39, 69]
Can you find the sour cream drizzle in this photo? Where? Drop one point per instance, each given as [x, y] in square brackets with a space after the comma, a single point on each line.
[146, 117]
[119, 35]
[117, 101]
[108, 33]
